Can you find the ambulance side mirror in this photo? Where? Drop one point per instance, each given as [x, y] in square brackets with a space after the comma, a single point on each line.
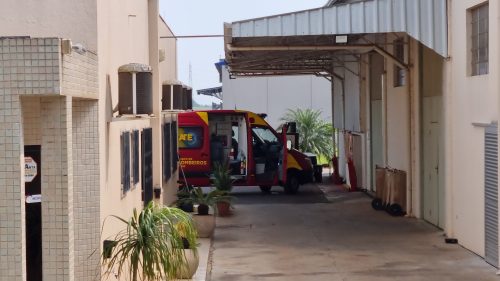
[284, 139]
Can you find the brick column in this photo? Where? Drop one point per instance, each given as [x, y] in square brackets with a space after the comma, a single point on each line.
[57, 189]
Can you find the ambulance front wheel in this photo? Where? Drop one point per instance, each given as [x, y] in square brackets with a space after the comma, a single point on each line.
[265, 188]
[292, 184]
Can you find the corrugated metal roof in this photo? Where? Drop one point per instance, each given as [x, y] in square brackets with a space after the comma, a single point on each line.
[424, 20]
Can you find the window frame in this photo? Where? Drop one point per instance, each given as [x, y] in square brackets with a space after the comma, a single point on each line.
[202, 134]
[135, 158]
[125, 162]
[478, 65]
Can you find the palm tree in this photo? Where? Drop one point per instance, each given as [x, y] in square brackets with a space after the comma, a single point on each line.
[150, 244]
[315, 134]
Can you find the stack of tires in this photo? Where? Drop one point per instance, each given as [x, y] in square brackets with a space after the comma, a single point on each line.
[390, 191]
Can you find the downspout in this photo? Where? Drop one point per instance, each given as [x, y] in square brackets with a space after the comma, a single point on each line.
[409, 203]
[448, 133]
[384, 114]
[153, 43]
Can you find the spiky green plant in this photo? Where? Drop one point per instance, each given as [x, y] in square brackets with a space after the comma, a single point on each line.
[150, 245]
[315, 134]
[210, 198]
[222, 177]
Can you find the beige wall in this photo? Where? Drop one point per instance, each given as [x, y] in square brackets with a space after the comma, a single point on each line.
[81, 171]
[474, 100]
[122, 204]
[138, 42]
[168, 67]
[73, 19]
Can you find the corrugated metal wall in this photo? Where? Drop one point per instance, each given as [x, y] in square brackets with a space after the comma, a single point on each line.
[491, 194]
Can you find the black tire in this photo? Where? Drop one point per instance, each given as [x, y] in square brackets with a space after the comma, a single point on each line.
[318, 177]
[377, 204]
[292, 184]
[265, 188]
[395, 210]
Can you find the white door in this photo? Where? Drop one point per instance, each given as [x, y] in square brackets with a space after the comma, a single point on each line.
[433, 191]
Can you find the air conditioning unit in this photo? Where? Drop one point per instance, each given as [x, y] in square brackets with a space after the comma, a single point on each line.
[189, 98]
[135, 89]
[171, 96]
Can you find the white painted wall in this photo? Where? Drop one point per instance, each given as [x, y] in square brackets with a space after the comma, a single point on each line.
[274, 95]
[470, 99]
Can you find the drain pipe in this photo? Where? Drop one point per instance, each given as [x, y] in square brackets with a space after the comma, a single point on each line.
[409, 180]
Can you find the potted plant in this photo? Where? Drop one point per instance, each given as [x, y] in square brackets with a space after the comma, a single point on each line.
[148, 246]
[224, 184]
[184, 200]
[188, 234]
[204, 221]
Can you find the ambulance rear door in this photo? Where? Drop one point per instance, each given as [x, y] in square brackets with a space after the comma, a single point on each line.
[194, 147]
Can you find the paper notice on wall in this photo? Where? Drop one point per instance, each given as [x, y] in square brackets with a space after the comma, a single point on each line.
[36, 198]
[30, 169]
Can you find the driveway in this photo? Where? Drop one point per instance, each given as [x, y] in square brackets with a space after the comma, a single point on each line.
[308, 236]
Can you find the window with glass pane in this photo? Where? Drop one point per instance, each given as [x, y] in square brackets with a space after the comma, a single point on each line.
[265, 135]
[479, 40]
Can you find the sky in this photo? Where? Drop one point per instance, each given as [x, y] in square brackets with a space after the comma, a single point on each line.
[201, 17]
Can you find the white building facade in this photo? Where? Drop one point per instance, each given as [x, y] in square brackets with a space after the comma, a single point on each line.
[275, 95]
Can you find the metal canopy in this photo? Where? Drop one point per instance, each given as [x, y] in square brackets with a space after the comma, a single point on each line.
[212, 92]
[305, 42]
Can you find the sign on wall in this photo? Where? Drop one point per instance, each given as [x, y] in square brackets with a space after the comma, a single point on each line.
[30, 169]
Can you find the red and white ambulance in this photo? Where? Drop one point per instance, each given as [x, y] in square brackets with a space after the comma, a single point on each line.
[256, 153]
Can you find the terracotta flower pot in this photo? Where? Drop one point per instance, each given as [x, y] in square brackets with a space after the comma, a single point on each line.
[205, 225]
[223, 209]
[189, 267]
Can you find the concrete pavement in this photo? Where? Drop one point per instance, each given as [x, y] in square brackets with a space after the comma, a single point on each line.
[281, 237]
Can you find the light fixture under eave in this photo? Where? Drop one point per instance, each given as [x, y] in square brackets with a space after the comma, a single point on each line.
[341, 39]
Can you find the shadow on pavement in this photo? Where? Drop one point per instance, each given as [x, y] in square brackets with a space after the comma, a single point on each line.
[308, 194]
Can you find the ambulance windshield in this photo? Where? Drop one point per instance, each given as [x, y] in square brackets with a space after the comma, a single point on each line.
[265, 135]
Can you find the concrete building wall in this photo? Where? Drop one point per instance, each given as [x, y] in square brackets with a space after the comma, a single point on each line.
[474, 99]
[168, 67]
[74, 19]
[274, 95]
[124, 202]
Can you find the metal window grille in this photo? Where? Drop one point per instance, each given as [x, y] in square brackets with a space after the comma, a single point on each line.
[167, 156]
[125, 153]
[135, 156]
[479, 39]
[175, 154]
[147, 165]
